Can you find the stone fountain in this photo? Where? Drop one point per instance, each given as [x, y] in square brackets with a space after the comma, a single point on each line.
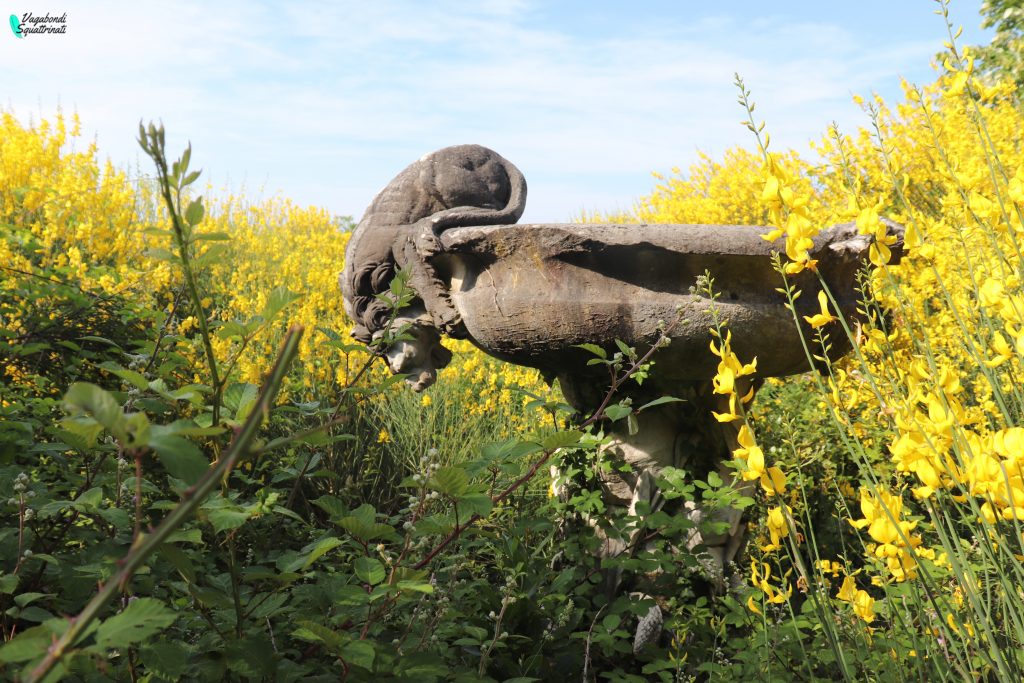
[530, 294]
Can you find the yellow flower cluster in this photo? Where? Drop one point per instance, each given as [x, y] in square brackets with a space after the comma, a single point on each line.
[93, 219]
[883, 512]
[730, 382]
[929, 403]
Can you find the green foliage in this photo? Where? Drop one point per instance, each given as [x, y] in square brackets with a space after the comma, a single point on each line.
[1004, 56]
[443, 561]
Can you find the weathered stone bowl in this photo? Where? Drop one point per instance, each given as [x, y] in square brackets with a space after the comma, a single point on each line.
[530, 293]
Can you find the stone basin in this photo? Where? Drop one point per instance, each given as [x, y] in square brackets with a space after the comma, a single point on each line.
[528, 293]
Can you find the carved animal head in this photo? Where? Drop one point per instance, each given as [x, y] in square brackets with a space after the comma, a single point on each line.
[461, 185]
[419, 357]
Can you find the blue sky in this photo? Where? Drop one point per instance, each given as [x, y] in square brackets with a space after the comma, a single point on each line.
[325, 102]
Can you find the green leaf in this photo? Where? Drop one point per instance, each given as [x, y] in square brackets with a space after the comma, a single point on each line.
[225, 515]
[101, 340]
[194, 212]
[165, 659]
[316, 551]
[251, 657]
[29, 644]
[617, 411]
[28, 598]
[475, 504]
[449, 481]
[332, 505]
[178, 559]
[136, 379]
[278, 298]
[33, 613]
[179, 456]
[240, 399]
[161, 254]
[658, 402]
[611, 622]
[231, 328]
[594, 349]
[563, 439]
[83, 397]
[627, 351]
[416, 587]
[311, 631]
[211, 255]
[190, 178]
[89, 501]
[359, 653]
[369, 570]
[8, 583]
[142, 619]
[211, 236]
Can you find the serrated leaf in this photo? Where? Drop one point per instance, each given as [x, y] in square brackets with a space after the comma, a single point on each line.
[449, 481]
[27, 645]
[278, 298]
[166, 659]
[369, 570]
[89, 501]
[626, 350]
[251, 657]
[311, 631]
[225, 515]
[179, 456]
[86, 428]
[475, 504]
[359, 653]
[180, 560]
[90, 399]
[240, 399]
[143, 618]
[617, 412]
[564, 439]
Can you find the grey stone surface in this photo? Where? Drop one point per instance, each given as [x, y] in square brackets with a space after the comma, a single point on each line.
[528, 294]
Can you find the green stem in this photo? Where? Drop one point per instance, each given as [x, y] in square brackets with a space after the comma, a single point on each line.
[190, 282]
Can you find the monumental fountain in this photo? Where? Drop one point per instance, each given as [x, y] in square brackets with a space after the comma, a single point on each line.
[532, 294]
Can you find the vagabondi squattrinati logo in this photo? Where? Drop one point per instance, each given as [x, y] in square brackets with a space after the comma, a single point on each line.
[30, 23]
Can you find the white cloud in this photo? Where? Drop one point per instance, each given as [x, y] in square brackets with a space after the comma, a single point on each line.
[328, 100]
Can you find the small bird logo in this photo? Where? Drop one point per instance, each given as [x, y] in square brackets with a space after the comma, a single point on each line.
[16, 26]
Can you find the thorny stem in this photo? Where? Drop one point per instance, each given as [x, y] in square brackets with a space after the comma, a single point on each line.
[138, 497]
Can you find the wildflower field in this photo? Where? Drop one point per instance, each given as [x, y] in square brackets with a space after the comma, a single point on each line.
[203, 477]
